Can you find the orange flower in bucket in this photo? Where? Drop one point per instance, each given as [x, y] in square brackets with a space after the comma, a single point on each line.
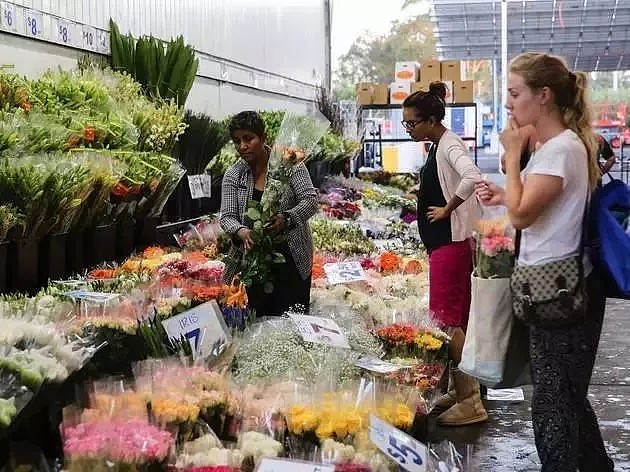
[388, 262]
[413, 266]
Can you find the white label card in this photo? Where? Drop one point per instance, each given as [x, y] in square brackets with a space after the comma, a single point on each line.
[374, 364]
[506, 394]
[33, 22]
[318, 330]
[88, 296]
[89, 38]
[200, 186]
[8, 20]
[203, 327]
[65, 31]
[408, 453]
[284, 465]
[344, 272]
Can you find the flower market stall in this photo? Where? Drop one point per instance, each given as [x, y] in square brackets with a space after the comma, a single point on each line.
[148, 360]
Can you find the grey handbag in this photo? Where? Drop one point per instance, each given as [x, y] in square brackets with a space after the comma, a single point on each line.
[551, 295]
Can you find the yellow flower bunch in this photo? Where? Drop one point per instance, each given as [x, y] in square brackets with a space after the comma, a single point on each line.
[429, 342]
[397, 414]
[167, 411]
[302, 420]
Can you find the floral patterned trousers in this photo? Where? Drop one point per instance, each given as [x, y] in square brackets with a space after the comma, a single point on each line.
[565, 427]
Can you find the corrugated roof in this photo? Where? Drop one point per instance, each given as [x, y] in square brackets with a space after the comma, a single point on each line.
[593, 35]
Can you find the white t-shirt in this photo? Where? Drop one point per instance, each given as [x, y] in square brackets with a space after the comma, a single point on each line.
[557, 232]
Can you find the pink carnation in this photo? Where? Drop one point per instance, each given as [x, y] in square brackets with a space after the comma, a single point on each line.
[492, 245]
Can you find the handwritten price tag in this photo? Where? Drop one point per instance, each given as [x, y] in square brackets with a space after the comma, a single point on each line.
[203, 326]
[200, 186]
[316, 329]
[34, 23]
[64, 31]
[7, 21]
[281, 465]
[344, 272]
[408, 453]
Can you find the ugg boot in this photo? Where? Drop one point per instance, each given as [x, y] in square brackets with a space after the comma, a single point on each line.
[448, 399]
[468, 409]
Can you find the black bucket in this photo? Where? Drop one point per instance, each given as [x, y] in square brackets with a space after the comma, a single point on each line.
[75, 253]
[23, 265]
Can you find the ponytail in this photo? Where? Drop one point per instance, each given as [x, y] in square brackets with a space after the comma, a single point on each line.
[577, 117]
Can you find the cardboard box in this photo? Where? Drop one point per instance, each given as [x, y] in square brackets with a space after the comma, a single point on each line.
[464, 91]
[372, 94]
[451, 70]
[430, 71]
[406, 71]
[450, 89]
[420, 86]
[398, 92]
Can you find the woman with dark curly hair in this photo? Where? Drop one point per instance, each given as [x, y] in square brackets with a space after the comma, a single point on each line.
[246, 181]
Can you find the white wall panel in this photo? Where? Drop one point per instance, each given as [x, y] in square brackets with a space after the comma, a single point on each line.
[32, 58]
[279, 46]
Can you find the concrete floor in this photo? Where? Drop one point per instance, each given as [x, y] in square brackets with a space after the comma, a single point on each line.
[506, 443]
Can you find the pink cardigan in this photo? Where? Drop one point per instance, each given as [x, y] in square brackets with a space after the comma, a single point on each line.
[457, 175]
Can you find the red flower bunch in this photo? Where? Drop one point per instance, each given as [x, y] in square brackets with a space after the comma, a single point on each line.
[367, 263]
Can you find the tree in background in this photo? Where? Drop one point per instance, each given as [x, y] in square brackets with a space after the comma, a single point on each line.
[372, 58]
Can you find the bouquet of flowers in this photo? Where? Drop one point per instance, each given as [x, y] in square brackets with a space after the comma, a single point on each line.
[495, 249]
[296, 140]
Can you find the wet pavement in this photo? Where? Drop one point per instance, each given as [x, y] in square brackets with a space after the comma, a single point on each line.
[506, 442]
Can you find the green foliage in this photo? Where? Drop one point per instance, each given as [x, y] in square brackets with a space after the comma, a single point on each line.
[164, 74]
[372, 58]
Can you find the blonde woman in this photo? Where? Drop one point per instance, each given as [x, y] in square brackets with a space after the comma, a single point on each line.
[546, 201]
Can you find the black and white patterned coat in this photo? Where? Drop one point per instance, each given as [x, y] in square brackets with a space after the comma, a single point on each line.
[300, 201]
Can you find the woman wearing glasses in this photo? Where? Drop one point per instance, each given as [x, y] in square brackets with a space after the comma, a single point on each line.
[446, 215]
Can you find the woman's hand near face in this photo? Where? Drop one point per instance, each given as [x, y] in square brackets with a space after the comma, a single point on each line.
[515, 140]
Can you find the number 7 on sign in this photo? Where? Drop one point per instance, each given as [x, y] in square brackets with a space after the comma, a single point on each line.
[194, 334]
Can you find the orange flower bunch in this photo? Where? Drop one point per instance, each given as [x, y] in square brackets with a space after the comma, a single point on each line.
[204, 294]
[101, 274]
[389, 262]
[167, 411]
[195, 257]
[413, 266]
[398, 334]
[493, 226]
[153, 251]
[293, 155]
[236, 295]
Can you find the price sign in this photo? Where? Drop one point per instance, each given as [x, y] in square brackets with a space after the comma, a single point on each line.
[8, 20]
[200, 186]
[33, 21]
[203, 327]
[374, 364]
[316, 329]
[344, 272]
[89, 38]
[408, 453]
[282, 465]
[102, 41]
[88, 296]
[64, 31]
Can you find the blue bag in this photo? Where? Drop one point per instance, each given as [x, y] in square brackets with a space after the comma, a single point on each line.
[610, 205]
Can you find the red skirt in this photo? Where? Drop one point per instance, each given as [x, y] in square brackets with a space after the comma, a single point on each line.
[450, 268]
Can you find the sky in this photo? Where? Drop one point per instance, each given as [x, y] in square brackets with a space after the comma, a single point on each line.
[353, 17]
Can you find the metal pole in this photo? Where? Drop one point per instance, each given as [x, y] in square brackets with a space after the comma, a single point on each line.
[504, 58]
[495, 96]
